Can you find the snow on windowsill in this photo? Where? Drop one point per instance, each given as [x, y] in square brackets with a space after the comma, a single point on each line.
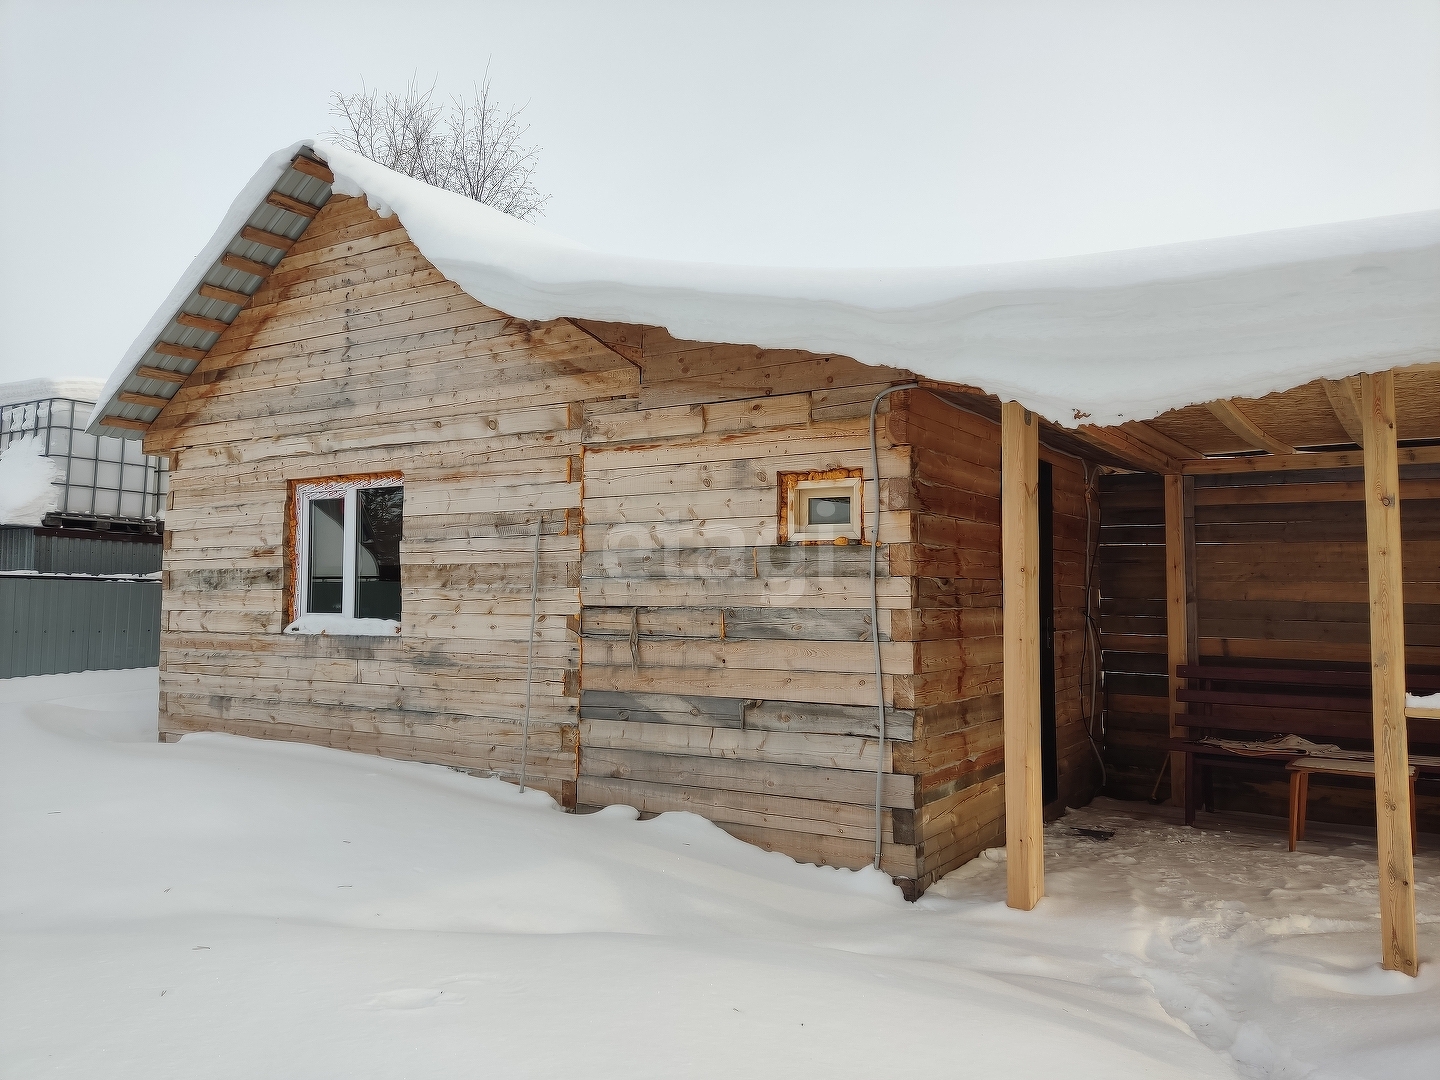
[1422, 701]
[343, 626]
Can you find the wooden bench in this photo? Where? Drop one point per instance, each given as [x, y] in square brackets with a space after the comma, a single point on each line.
[1300, 771]
[1260, 703]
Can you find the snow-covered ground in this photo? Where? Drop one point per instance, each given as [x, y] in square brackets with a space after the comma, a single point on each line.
[224, 907]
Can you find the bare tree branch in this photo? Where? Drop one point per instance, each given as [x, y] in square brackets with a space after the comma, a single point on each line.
[473, 147]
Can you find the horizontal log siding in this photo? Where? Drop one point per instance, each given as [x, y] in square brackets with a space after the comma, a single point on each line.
[356, 356]
[957, 754]
[1280, 574]
[724, 673]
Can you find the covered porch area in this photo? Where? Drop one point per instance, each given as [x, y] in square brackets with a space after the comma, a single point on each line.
[1264, 568]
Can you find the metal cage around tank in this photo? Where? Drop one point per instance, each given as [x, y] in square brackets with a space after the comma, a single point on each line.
[103, 480]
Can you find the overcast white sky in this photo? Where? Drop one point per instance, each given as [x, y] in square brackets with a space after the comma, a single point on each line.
[822, 134]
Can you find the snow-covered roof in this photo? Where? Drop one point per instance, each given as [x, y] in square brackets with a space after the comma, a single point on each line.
[75, 389]
[1099, 339]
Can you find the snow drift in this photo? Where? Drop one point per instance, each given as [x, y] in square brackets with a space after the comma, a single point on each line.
[1097, 338]
[27, 483]
[236, 908]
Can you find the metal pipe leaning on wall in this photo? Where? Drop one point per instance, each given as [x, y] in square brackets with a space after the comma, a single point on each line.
[875, 618]
[875, 609]
[530, 651]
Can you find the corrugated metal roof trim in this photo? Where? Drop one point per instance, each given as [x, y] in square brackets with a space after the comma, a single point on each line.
[268, 218]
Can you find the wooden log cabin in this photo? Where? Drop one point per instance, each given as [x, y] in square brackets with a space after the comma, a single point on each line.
[420, 510]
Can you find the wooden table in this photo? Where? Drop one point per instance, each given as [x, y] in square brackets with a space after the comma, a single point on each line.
[1300, 770]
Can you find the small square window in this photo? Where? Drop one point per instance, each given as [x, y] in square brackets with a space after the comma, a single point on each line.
[822, 507]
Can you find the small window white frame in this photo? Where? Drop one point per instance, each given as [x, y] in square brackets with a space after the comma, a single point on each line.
[305, 494]
[800, 528]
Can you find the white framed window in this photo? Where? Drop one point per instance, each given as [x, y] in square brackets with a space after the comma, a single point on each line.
[347, 552]
[827, 507]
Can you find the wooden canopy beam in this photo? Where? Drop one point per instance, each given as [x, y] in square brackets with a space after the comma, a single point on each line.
[147, 400]
[1159, 441]
[199, 322]
[295, 206]
[246, 266]
[1229, 414]
[1333, 459]
[1345, 401]
[161, 374]
[1181, 625]
[122, 422]
[225, 296]
[182, 352]
[1387, 674]
[1128, 448]
[266, 239]
[313, 168]
[1020, 558]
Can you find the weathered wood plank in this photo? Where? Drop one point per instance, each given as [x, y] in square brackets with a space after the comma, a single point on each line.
[824, 657]
[725, 712]
[734, 624]
[763, 685]
[757, 777]
[816, 817]
[742, 744]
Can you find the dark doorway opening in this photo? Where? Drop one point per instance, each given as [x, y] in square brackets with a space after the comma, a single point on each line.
[1048, 756]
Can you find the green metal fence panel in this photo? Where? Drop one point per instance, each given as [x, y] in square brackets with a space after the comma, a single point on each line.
[17, 547]
[50, 625]
[77, 551]
[56, 554]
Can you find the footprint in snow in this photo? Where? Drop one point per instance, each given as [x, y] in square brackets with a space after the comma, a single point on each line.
[413, 999]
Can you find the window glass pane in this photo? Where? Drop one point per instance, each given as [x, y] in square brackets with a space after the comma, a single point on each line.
[830, 510]
[377, 553]
[325, 589]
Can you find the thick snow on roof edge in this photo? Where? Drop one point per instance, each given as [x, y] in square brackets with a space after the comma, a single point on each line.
[76, 388]
[1098, 338]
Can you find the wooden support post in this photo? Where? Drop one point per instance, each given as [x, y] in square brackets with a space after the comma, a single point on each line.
[1181, 626]
[1020, 563]
[1387, 673]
